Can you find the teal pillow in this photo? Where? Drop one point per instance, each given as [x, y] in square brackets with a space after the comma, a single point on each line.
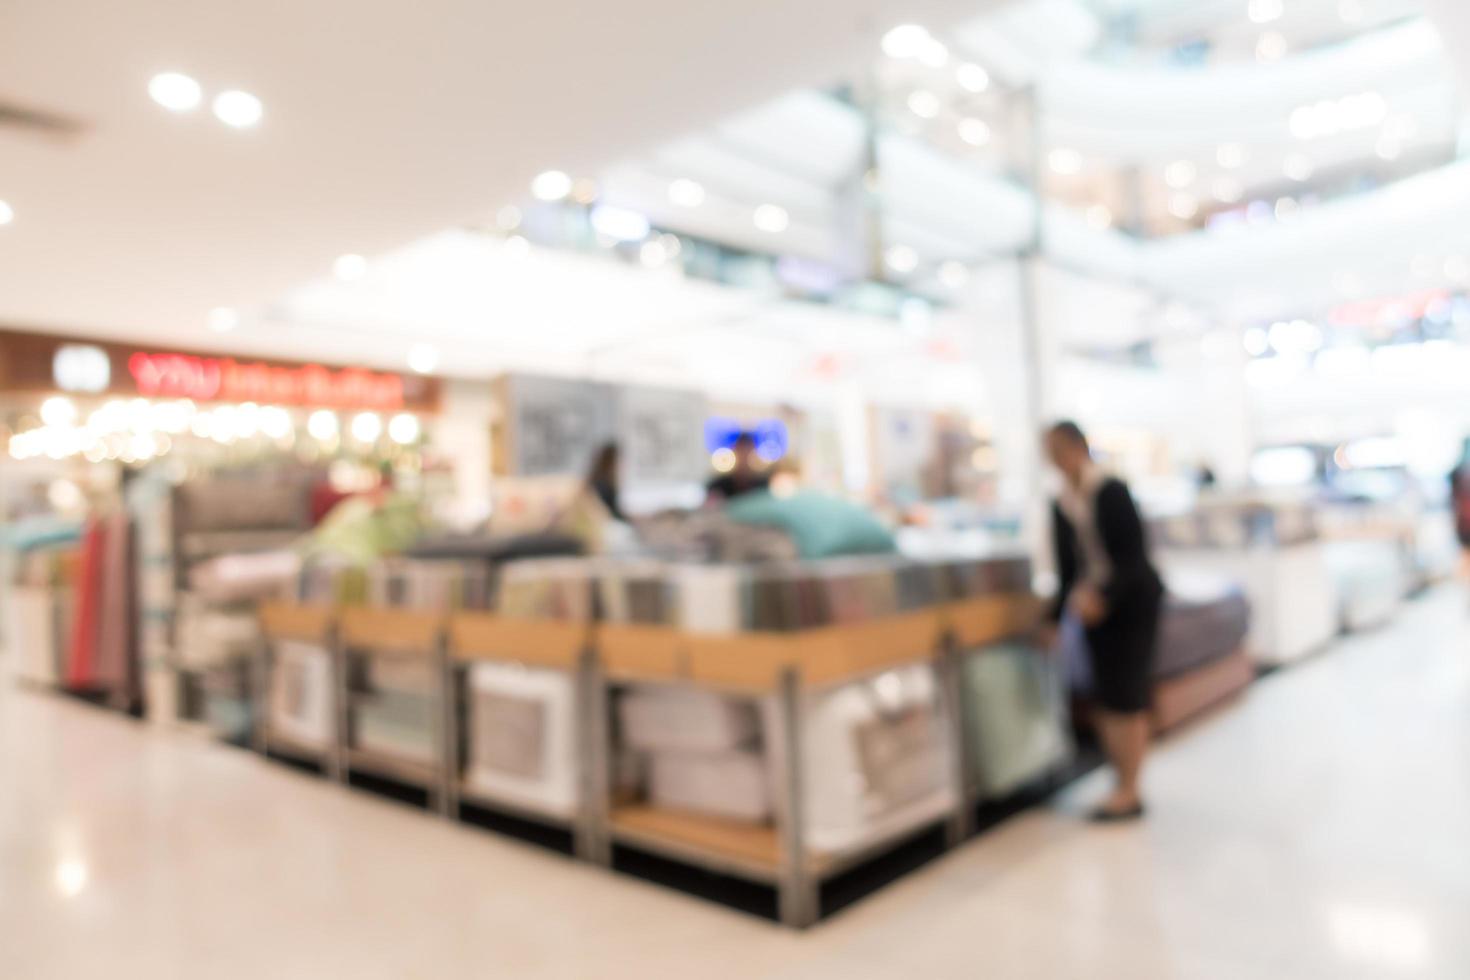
[821, 526]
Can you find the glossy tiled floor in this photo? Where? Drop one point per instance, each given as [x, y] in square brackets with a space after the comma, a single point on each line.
[1321, 829]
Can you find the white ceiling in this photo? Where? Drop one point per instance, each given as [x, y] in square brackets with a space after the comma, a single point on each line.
[385, 121]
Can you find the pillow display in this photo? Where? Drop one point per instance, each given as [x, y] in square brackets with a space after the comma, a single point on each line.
[822, 526]
[301, 693]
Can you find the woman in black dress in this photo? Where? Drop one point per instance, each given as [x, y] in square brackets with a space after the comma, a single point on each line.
[1107, 581]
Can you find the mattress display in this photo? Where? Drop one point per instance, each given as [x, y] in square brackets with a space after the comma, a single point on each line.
[1290, 590]
[873, 753]
[301, 694]
[521, 736]
[1205, 617]
[1015, 718]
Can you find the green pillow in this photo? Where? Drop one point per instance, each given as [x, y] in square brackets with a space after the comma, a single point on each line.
[821, 526]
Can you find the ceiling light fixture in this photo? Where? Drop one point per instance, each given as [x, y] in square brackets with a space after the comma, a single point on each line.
[1227, 190]
[1230, 155]
[350, 267]
[223, 319]
[1272, 46]
[423, 358]
[551, 185]
[237, 109]
[508, 218]
[975, 132]
[953, 274]
[7, 213]
[1180, 174]
[686, 193]
[972, 77]
[924, 104]
[771, 218]
[906, 41]
[1265, 11]
[322, 425]
[1183, 206]
[1298, 167]
[934, 54]
[175, 92]
[1064, 161]
[367, 427]
[901, 258]
[619, 223]
[404, 429]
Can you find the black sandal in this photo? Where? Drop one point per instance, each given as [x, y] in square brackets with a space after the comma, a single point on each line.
[1105, 815]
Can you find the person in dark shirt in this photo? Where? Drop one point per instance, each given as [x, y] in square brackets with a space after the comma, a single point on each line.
[743, 476]
[1109, 584]
[602, 479]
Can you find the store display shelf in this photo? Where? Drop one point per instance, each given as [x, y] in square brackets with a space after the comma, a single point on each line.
[278, 743]
[412, 772]
[903, 825]
[747, 850]
[476, 795]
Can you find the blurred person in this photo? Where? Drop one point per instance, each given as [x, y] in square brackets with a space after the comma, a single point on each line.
[744, 476]
[1460, 502]
[602, 479]
[1108, 583]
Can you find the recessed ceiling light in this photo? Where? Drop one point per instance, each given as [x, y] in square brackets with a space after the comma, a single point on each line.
[1230, 155]
[1065, 161]
[238, 109]
[1298, 167]
[771, 217]
[924, 104]
[953, 274]
[972, 77]
[175, 92]
[1272, 46]
[686, 193]
[1100, 217]
[1180, 174]
[350, 267]
[404, 429]
[7, 213]
[901, 258]
[367, 427]
[1183, 206]
[508, 218]
[619, 223]
[322, 425]
[423, 358]
[976, 132]
[1265, 11]
[934, 54]
[551, 185]
[223, 319]
[906, 41]
[1227, 190]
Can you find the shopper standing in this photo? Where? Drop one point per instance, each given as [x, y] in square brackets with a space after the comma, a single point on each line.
[743, 477]
[1107, 582]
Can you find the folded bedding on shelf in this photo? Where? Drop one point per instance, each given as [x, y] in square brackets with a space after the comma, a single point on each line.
[244, 577]
[685, 720]
[301, 693]
[207, 635]
[397, 723]
[1015, 718]
[412, 583]
[496, 548]
[872, 750]
[547, 588]
[522, 744]
[733, 784]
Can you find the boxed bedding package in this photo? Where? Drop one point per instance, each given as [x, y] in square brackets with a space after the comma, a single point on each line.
[521, 738]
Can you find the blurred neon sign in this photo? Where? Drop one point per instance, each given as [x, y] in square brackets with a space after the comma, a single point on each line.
[225, 379]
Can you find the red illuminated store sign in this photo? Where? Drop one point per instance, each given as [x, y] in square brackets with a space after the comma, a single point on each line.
[228, 380]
